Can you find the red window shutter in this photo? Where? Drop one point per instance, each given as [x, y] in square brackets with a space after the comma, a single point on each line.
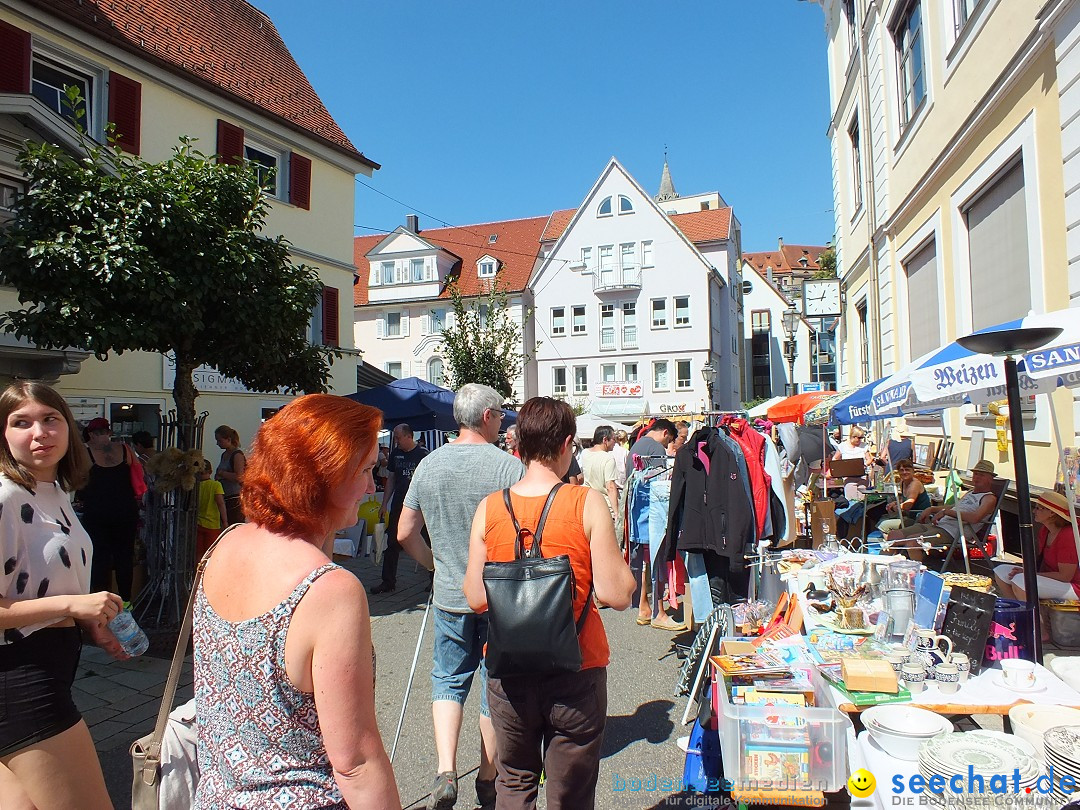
[125, 110]
[331, 336]
[300, 181]
[14, 59]
[230, 142]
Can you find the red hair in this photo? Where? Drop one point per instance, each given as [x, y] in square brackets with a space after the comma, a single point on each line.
[299, 455]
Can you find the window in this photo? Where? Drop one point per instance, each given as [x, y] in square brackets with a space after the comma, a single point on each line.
[629, 324]
[435, 371]
[856, 164]
[998, 250]
[605, 208]
[761, 353]
[607, 372]
[394, 370]
[558, 379]
[659, 313]
[487, 269]
[852, 26]
[625, 206]
[627, 255]
[393, 324]
[558, 321]
[682, 310]
[438, 321]
[607, 326]
[646, 254]
[586, 257]
[659, 375]
[682, 375]
[864, 341]
[49, 83]
[267, 164]
[629, 372]
[965, 9]
[417, 269]
[581, 380]
[387, 273]
[922, 300]
[482, 315]
[578, 314]
[907, 35]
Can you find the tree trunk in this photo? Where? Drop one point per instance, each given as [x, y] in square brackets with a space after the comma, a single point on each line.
[184, 394]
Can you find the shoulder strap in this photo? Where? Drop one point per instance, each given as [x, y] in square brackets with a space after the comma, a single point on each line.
[153, 750]
[519, 547]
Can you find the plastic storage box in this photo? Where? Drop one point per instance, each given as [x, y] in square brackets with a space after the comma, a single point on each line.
[782, 748]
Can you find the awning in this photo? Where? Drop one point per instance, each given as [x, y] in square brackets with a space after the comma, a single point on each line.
[629, 408]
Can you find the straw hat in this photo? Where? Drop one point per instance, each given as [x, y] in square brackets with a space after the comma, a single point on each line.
[983, 466]
[1055, 502]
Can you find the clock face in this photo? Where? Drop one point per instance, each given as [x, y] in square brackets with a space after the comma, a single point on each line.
[821, 298]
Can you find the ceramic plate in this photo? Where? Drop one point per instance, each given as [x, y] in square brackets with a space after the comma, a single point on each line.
[999, 680]
[954, 753]
[1064, 741]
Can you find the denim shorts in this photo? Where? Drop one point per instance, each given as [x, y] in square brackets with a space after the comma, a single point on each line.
[459, 650]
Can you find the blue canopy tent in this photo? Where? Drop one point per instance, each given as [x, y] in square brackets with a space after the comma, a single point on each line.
[418, 403]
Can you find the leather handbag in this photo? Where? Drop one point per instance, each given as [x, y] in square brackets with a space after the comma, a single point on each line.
[531, 626]
[165, 762]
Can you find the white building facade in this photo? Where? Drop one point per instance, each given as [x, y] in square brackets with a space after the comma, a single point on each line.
[768, 373]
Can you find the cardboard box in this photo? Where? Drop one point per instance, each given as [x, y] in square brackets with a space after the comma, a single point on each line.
[869, 675]
[823, 511]
[731, 646]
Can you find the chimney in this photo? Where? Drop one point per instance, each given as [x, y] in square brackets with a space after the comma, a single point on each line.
[768, 274]
[412, 223]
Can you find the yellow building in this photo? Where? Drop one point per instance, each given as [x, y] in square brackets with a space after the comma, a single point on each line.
[215, 70]
[954, 136]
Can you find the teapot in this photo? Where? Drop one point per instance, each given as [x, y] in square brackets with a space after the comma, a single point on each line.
[928, 650]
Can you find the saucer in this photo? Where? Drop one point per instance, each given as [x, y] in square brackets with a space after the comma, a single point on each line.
[999, 680]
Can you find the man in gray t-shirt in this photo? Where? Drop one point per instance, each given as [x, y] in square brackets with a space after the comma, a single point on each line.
[446, 488]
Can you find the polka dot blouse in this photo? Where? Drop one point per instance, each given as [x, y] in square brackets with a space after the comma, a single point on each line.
[44, 548]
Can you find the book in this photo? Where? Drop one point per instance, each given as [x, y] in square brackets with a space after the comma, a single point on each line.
[755, 696]
[789, 764]
[758, 663]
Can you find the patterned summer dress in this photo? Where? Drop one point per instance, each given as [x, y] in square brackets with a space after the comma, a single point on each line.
[259, 739]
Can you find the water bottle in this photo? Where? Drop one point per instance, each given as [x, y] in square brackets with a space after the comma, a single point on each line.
[128, 633]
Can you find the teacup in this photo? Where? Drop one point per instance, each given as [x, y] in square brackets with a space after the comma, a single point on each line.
[914, 677]
[947, 677]
[1017, 673]
[963, 665]
[896, 660]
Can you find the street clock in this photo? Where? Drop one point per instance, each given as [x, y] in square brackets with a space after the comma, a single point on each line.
[821, 298]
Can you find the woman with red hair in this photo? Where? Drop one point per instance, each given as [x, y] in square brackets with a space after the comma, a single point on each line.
[284, 681]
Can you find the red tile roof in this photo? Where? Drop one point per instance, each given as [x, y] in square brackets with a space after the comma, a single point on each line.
[785, 259]
[557, 224]
[227, 45]
[698, 226]
[792, 254]
[516, 246]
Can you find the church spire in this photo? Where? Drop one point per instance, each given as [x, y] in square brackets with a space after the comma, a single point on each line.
[667, 188]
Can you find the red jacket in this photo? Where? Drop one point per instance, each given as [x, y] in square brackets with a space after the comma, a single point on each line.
[753, 447]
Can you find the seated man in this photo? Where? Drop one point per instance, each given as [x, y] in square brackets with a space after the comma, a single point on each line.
[940, 525]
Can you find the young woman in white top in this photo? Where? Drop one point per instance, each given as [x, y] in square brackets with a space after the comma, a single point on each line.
[47, 757]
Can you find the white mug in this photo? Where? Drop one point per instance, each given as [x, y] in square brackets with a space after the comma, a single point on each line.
[948, 678]
[1017, 673]
[963, 665]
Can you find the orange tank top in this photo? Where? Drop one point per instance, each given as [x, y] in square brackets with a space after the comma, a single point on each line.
[564, 533]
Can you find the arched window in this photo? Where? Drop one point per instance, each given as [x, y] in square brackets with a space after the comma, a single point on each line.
[625, 206]
[605, 208]
[435, 371]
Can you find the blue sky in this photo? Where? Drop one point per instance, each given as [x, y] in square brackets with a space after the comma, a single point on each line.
[481, 111]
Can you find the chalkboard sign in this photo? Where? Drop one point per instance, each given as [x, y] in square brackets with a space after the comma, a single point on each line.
[967, 623]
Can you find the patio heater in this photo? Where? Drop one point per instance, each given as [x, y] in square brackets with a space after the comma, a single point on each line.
[708, 373]
[1006, 343]
[791, 326]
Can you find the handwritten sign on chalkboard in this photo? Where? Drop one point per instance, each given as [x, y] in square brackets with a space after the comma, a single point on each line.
[967, 623]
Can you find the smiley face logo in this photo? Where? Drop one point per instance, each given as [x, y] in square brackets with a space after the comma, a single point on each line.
[861, 783]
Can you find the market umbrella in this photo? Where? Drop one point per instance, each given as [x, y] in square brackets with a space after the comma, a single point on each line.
[794, 408]
[420, 404]
[763, 408]
[822, 412]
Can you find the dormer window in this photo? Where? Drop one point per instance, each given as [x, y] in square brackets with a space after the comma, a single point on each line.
[625, 206]
[418, 271]
[492, 238]
[387, 275]
[486, 267]
[605, 208]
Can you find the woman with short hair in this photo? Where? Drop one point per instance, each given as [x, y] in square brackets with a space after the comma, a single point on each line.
[284, 681]
[1059, 575]
[552, 722]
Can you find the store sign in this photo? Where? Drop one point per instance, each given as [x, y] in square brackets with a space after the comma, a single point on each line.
[206, 378]
[680, 407]
[620, 389]
[808, 387]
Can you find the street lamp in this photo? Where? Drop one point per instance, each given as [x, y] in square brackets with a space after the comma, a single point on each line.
[1005, 343]
[708, 373]
[791, 326]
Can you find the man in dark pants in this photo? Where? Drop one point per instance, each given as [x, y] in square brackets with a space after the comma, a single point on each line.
[403, 460]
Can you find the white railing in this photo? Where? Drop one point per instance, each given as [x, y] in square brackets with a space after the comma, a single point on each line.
[617, 278]
[607, 337]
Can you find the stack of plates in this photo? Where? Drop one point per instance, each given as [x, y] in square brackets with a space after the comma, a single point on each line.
[987, 753]
[901, 729]
[1062, 746]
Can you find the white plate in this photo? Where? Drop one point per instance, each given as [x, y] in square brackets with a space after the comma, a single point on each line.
[1063, 741]
[953, 753]
[906, 720]
[999, 680]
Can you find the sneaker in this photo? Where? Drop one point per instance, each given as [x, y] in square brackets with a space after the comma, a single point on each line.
[485, 794]
[383, 587]
[443, 791]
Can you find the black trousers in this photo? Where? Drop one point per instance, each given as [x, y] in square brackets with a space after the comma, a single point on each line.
[113, 537]
[392, 554]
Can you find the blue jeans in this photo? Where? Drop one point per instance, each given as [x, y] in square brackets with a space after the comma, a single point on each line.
[459, 650]
[639, 513]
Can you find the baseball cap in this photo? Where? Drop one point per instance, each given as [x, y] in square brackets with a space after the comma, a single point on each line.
[98, 423]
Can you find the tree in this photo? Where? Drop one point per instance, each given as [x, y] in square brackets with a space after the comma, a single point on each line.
[826, 264]
[484, 345]
[111, 253]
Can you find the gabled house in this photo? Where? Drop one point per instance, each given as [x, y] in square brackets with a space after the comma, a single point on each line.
[769, 372]
[788, 266]
[215, 70]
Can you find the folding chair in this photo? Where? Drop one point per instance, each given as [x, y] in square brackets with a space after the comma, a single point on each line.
[979, 540]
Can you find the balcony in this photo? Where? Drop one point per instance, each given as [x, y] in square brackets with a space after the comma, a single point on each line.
[617, 278]
[607, 339]
[629, 337]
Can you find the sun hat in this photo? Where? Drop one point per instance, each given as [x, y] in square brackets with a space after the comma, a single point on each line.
[1055, 502]
[983, 466]
[98, 423]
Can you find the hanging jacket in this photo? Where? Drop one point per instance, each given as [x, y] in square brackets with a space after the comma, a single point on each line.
[753, 447]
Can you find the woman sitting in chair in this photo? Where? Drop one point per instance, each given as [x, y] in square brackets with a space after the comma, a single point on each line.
[914, 498]
[939, 526]
[1059, 574]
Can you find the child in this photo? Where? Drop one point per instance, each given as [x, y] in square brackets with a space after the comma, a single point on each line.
[211, 510]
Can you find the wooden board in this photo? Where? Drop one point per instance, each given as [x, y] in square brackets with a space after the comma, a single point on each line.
[968, 617]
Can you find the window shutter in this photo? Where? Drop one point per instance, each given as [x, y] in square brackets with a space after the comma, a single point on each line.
[451, 319]
[230, 142]
[380, 327]
[330, 316]
[405, 323]
[14, 59]
[300, 181]
[425, 324]
[125, 111]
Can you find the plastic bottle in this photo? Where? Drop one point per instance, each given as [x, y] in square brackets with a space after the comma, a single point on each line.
[128, 633]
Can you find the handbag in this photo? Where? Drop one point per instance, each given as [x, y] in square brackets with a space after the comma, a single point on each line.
[165, 763]
[138, 476]
[531, 626]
